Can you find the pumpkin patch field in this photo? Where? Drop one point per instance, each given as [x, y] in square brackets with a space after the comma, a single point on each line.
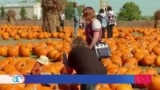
[135, 51]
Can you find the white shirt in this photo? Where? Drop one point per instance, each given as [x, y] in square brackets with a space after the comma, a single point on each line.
[96, 25]
[62, 16]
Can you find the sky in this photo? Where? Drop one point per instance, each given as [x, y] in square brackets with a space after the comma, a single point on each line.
[147, 7]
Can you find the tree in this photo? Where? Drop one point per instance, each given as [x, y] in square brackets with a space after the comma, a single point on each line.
[37, 0]
[147, 18]
[156, 18]
[23, 13]
[23, 1]
[69, 9]
[2, 12]
[11, 16]
[50, 14]
[129, 11]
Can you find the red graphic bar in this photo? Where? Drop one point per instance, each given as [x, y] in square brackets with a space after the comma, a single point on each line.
[142, 79]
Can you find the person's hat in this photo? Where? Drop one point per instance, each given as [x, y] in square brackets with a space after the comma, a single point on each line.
[43, 60]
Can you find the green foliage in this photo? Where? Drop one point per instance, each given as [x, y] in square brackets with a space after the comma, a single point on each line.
[23, 13]
[80, 9]
[148, 18]
[37, 0]
[3, 13]
[129, 11]
[69, 9]
[35, 17]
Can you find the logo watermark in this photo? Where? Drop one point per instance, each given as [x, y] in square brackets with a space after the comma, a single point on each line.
[18, 79]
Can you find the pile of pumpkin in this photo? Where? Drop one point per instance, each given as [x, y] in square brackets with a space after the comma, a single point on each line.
[131, 48]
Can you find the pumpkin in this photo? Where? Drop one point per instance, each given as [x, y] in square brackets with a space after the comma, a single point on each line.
[20, 64]
[112, 70]
[151, 71]
[25, 70]
[10, 87]
[156, 50]
[157, 61]
[3, 50]
[116, 59]
[16, 37]
[8, 68]
[103, 87]
[114, 86]
[124, 87]
[148, 60]
[24, 50]
[51, 54]
[54, 34]
[106, 61]
[3, 63]
[155, 83]
[32, 87]
[13, 51]
[5, 36]
[42, 51]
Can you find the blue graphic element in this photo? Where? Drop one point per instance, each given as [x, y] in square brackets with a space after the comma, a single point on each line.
[77, 79]
[18, 79]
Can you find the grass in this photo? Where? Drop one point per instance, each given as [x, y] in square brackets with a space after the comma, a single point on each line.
[11, 41]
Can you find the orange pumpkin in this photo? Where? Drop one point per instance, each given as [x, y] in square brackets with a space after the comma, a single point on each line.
[10, 87]
[157, 61]
[3, 50]
[24, 50]
[124, 87]
[155, 83]
[5, 36]
[148, 60]
[13, 51]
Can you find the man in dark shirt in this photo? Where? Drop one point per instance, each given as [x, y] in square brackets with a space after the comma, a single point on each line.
[84, 61]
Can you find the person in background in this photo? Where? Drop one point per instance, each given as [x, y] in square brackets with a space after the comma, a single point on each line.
[103, 19]
[81, 23]
[37, 68]
[76, 19]
[62, 20]
[111, 21]
[84, 61]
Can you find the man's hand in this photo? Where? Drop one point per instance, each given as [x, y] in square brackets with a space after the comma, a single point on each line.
[66, 70]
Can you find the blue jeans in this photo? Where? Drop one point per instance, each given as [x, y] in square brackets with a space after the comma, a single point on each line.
[76, 26]
[88, 87]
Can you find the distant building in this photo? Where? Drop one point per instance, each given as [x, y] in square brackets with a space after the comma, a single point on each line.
[33, 9]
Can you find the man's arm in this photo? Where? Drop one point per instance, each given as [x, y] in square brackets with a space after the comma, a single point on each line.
[66, 69]
[94, 39]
